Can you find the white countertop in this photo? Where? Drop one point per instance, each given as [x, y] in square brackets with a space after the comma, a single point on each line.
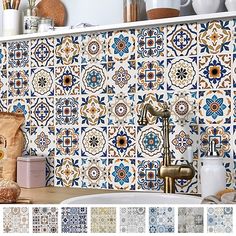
[167, 21]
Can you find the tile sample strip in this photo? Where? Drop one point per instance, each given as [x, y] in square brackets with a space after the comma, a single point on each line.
[132, 220]
[15, 220]
[103, 220]
[161, 220]
[190, 219]
[74, 220]
[220, 220]
[45, 220]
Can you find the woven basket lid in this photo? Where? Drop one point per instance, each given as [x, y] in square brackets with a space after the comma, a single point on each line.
[53, 9]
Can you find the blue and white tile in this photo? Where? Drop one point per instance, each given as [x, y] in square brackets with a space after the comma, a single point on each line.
[220, 220]
[122, 45]
[94, 173]
[94, 79]
[67, 81]
[121, 77]
[42, 82]
[3, 105]
[182, 73]
[182, 40]
[42, 52]
[50, 171]
[74, 220]
[42, 112]
[147, 175]
[94, 141]
[215, 107]
[121, 174]
[3, 56]
[150, 42]
[161, 220]
[3, 84]
[27, 145]
[215, 72]
[18, 54]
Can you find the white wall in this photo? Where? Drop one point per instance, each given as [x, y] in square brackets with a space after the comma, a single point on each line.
[97, 12]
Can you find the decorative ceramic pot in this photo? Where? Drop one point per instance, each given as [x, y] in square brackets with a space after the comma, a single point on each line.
[205, 6]
[230, 5]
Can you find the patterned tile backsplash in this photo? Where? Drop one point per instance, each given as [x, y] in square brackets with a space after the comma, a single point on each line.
[82, 94]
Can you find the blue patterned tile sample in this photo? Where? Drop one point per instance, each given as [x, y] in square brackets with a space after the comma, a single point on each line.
[191, 220]
[132, 220]
[161, 220]
[220, 220]
[74, 220]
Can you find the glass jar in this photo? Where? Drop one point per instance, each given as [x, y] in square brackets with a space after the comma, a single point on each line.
[130, 8]
[30, 21]
[45, 25]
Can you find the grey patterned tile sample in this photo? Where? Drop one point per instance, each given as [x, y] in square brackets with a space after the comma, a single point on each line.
[45, 220]
[190, 220]
[132, 220]
[74, 220]
[220, 220]
[15, 220]
[161, 220]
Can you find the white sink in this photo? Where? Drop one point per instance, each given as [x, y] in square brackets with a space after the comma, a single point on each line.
[134, 198]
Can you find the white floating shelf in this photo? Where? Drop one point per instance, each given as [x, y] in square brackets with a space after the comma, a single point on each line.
[147, 23]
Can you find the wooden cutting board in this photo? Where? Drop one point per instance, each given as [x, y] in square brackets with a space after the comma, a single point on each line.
[53, 9]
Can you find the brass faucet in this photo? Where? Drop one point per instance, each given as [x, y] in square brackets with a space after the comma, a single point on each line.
[167, 171]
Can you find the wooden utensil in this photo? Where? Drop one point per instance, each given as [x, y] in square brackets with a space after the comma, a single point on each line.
[53, 9]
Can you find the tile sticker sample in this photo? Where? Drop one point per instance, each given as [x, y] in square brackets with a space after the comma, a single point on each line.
[45, 220]
[74, 220]
[191, 219]
[132, 220]
[220, 220]
[103, 220]
[161, 220]
[15, 220]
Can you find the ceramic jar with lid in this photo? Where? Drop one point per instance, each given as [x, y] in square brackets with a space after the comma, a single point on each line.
[230, 5]
[205, 6]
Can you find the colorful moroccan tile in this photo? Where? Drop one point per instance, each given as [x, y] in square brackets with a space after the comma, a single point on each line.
[215, 72]
[147, 175]
[103, 220]
[234, 68]
[150, 75]
[182, 40]
[94, 141]
[94, 173]
[221, 135]
[15, 220]
[42, 52]
[121, 77]
[150, 42]
[182, 73]
[121, 45]
[215, 107]
[121, 109]
[183, 106]
[191, 220]
[132, 220]
[161, 220]
[94, 47]
[3, 56]
[50, 171]
[121, 174]
[67, 80]
[67, 50]
[45, 220]
[42, 82]
[215, 37]
[18, 54]
[220, 220]
[74, 220]
[121, 141]
[18, 83]
[67, 172]
[93, 77]
[3, 105]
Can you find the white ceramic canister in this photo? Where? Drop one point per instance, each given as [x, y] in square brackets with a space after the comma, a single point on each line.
[230, 5]
[205, 6]
[10, 22]
[213, 176]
